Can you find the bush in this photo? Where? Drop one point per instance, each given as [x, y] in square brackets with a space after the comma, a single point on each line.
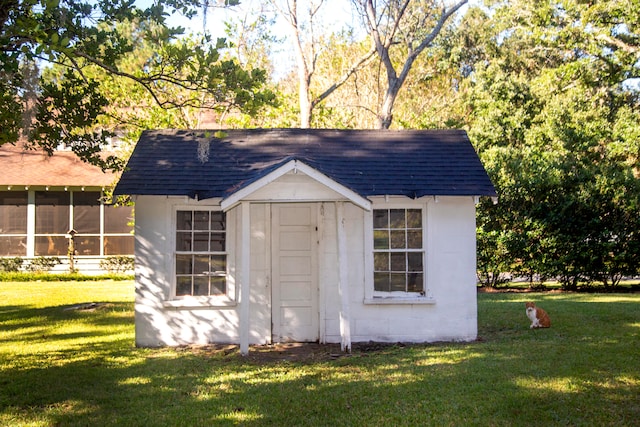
[23, 276]
[117, 264]
[43, 264]
[10, 264]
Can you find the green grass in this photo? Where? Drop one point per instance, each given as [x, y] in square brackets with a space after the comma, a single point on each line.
[80, 367]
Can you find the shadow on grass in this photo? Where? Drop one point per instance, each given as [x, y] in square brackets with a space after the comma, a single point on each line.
[15, 317]
[564, 375]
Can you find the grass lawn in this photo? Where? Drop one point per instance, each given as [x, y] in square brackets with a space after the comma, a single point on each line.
[80, 367]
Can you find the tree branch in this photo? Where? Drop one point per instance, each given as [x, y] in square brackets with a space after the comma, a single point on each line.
[444, 16]
[343, 79]
[381, 48]
[145, 82]
[618, 43]
[436, 30]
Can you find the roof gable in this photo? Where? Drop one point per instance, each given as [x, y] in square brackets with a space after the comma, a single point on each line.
[296, 166]
[364, 162]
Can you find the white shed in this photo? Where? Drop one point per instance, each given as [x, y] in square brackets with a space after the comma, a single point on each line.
[275, 235]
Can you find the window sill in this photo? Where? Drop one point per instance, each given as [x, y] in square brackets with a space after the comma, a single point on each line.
[399, 301]
[200, 303]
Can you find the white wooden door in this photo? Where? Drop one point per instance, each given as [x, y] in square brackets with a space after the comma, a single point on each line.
[294, 273]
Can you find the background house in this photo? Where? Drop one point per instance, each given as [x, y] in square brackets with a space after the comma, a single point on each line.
[260, 236]
[43, 197]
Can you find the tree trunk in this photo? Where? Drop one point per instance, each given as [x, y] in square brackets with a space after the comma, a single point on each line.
[385, 116]
[304, 71]
[303, 96]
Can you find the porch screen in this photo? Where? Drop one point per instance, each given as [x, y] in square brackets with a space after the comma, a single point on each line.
[201, 259]
[13, 223]
[397, 250]
[52, 223]
[86, 221]
[118, 228]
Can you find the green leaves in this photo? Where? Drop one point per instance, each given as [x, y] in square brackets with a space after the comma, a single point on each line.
[558, 133]
[10, 114]
[66, 113]
[87, 48]
[196, 69]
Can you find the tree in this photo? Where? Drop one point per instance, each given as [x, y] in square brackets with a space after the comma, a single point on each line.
[79, 35]
[407, 26]
[131, 108]
[552, 115]
[337, 80]
[306, 44]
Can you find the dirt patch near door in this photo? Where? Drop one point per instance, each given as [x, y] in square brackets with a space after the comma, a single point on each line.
[295, 352]
[289, 352]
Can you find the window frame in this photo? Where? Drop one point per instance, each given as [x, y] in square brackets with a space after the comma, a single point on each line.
[224, 299]
[86, 242]
[373, 296]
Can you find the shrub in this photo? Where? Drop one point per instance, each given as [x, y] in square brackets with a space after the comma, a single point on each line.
[58, 277]
[117, 264]
[10, 264]
[42, 264]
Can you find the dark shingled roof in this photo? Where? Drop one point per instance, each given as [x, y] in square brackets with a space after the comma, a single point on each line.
[368, 162]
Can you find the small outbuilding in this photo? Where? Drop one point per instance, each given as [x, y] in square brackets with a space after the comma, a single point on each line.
[275, 235]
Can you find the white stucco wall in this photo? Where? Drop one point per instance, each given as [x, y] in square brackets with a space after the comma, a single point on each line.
[161, 320]
[450, 269]
[451, 313]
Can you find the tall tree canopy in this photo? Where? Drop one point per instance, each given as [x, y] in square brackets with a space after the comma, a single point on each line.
[554, 114]
[84, 35]
[308, 44]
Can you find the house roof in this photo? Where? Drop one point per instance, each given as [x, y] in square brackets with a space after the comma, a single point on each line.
[19, 167]
[367, 162]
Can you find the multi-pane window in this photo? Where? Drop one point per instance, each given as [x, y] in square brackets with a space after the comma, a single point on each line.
[13, 223]
[397, 250]
[201, 258]
[57, 212]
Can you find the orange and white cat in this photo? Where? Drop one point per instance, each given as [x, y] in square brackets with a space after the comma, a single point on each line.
[539, 318]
